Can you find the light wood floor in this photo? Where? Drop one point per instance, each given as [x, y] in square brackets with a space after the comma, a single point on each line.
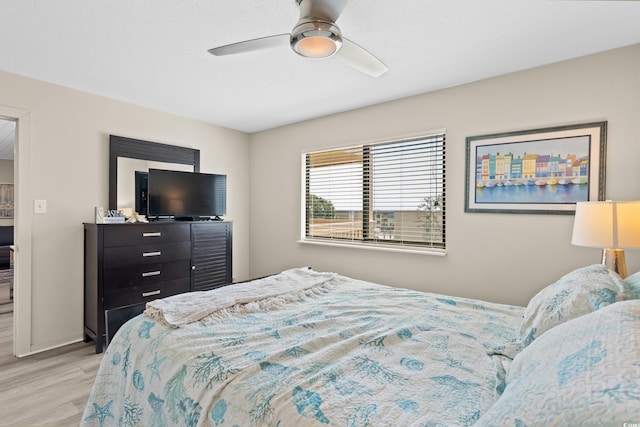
[5, 277]
[4, 293]
[46, 389]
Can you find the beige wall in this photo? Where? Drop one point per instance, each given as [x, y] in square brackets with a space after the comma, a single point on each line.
[68, 162]
[6, 171]
[499, 257]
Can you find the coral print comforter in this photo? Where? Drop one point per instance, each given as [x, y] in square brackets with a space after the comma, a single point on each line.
[304, 348]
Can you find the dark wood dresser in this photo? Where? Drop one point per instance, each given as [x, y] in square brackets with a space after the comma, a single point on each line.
[127, 265]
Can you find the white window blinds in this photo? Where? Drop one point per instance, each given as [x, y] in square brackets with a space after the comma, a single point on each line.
[390, 193]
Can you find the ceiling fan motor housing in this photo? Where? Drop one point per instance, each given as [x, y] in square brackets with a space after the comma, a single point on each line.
[316, 39]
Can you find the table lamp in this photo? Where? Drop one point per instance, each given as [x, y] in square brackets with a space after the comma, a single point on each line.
[611, 226]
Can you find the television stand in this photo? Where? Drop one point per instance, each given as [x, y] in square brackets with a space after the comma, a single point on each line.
[186, 218]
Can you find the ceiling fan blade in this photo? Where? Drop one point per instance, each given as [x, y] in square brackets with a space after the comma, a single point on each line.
[360, 59]
[251, 45]
[323, 10]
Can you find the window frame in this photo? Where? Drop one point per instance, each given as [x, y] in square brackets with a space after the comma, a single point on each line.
[374, 244]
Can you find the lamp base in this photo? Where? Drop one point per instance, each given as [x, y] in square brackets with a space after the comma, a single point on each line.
[614, 260]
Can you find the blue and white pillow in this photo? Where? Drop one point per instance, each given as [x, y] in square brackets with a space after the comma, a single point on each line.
[585, 372]
[580, 292]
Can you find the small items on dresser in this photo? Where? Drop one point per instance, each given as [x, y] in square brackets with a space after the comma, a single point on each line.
[112, 216]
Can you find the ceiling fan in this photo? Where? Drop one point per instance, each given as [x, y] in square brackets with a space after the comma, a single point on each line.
[315, 35]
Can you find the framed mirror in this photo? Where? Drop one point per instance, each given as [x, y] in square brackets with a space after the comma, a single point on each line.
[127, 155]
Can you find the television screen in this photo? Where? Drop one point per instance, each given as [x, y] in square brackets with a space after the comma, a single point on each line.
[186, 195]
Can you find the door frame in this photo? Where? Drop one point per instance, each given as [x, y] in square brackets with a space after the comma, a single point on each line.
[22, 229]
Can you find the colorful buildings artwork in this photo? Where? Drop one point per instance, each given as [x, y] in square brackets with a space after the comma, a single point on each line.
[496, 169]
[529, 166]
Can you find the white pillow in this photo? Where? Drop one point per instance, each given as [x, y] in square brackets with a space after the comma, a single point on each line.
[578, 293]
[585, 372]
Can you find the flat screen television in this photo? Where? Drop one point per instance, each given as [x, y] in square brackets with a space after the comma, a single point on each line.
[186, 195]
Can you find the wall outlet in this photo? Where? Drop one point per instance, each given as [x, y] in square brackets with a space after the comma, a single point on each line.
[39, 206]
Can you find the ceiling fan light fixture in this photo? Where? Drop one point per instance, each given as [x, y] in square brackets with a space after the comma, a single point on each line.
[316, 39]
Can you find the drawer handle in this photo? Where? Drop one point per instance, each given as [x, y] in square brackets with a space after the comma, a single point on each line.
[158, 253]
[151, 273]
[152, 234]
[148, 294]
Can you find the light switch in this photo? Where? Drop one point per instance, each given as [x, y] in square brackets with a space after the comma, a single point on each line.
[39, 206]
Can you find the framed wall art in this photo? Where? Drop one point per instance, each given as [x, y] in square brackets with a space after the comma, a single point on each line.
[6, 201]
[536, 171]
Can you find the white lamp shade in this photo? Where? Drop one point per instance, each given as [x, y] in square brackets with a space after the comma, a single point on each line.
[607, 224]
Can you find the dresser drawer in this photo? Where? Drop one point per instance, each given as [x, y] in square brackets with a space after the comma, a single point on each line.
[146, 274]
[143, 234]
[127, 256]
[141, 294]
[117, 317]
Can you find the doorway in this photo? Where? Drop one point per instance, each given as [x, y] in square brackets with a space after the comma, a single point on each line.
[7, 204]
[21, 319]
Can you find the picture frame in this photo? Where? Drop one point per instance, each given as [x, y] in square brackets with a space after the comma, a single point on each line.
[7, 203]
[539, 171]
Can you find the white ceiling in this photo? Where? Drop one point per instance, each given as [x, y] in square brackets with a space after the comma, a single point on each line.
[154, 52]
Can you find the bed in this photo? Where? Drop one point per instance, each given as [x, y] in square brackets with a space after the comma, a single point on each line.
[308, 348]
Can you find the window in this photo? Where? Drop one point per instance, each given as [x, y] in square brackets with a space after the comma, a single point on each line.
[388, 193]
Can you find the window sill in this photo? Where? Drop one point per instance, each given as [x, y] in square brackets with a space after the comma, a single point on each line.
[375, 247]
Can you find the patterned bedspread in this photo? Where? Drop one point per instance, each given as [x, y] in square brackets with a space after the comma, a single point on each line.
[353, 354]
